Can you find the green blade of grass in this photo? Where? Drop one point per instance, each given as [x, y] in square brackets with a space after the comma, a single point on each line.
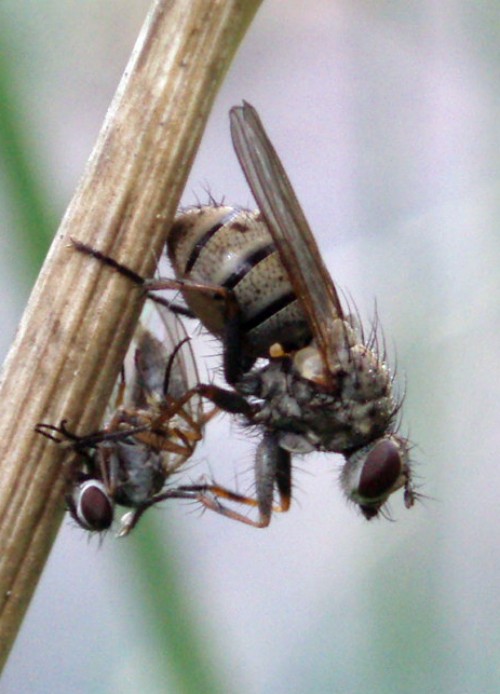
[32, 211]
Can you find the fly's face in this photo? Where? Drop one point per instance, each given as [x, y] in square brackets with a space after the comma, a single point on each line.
[90, 505]
[374, 472]
[156, 422]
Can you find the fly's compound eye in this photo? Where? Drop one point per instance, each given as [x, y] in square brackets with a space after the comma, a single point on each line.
[372, 474]
[380, 471]
[91, 506]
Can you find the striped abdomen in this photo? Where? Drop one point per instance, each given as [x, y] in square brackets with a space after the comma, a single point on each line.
[232, 248]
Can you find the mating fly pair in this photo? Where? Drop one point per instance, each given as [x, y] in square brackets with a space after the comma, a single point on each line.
[256, 281]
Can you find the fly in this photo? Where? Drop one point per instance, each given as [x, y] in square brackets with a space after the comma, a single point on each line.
[156, 423]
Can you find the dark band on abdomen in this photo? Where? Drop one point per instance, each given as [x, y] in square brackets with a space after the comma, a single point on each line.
[269, 311]
[247, 264]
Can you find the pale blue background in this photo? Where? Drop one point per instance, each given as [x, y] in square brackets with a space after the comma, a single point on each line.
[386, 117]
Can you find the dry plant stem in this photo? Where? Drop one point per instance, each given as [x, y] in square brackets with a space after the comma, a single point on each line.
[80, 317]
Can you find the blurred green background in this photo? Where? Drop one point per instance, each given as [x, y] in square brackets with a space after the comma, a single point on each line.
[386, 117]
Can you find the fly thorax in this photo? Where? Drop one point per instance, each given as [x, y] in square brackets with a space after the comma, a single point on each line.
[140, 473]
[366, 406]
[355, 408]
[362, 376]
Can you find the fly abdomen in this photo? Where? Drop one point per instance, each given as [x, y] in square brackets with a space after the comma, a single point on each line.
[232, 248]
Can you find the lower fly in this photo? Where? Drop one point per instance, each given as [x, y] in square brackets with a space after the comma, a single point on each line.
[156, 421]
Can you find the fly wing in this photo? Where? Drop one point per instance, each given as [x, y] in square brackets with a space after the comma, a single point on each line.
[180, 363]
[289, 228]
[164, 362]
[147, 377]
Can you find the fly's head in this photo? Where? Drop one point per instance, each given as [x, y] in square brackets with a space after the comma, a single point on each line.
[371, 474]
[361, 424]
[90, 505]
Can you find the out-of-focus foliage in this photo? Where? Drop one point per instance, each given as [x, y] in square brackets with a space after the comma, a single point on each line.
[385, 115]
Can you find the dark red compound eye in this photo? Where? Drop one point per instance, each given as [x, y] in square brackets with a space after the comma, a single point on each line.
[381, 471]
[94, 508]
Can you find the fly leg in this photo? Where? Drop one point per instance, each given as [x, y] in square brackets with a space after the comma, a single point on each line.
[226, 400]
[203, 493]
[234, 361]
[135, 277]
[272, 465]
[272, 468]
[232, 338]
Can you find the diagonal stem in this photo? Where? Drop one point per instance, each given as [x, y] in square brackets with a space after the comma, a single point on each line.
[81, 315]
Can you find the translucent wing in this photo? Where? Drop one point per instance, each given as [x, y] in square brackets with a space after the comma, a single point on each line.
[164, 363]
[289, 228]
[183, 372]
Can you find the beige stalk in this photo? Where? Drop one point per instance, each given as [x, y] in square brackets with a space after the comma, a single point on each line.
[81, 315]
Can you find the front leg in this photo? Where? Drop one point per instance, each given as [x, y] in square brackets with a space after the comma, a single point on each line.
[226, 400]
[232, 334]
[272, 468]
[206, 494]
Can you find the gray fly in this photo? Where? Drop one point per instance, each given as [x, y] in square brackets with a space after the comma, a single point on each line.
[154, 425]
[258, 282]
